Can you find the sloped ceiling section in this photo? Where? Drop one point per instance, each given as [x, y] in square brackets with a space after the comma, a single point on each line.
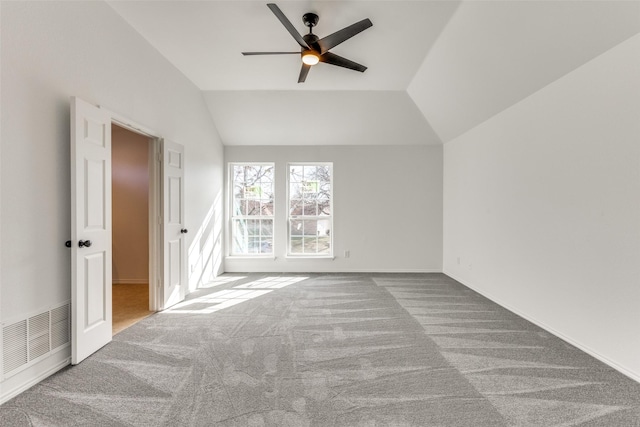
[318, 118]
[204, 40]
[436, 68]
[493, 54]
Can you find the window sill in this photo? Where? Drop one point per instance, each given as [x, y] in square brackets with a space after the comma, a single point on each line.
[273, 257]
[251, 257]
[308, 257]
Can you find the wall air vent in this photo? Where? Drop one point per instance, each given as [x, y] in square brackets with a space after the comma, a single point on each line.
[14, 346]
[27, 340]
[60, 326]
[39, 335]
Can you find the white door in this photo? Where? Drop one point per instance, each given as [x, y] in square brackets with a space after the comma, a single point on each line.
[90, 229]
[174, 245]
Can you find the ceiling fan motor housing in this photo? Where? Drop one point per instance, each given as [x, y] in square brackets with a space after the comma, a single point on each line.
[310, 39]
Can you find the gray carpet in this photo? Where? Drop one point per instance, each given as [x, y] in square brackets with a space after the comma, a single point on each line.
[333, 350]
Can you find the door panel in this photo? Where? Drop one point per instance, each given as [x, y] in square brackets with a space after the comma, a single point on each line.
[175, 274]
[90, 229]
[95, 289]
[175, 208]
[94, 201]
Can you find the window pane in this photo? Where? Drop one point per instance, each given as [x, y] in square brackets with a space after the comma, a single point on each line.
[295, 190]
[310, 173]
[265, 246]
[324, 245]
[237, 190]
[324, 173]
[239, 237]
[254, 245]
[310, 245]
[324, 207]
[267, 208]
[310, 208]
[253, 227]
[296, 228]
[310, 228]
[295, 207]
[237, 208]
[266, 229]
[296, 245]
[324, 228]
[295, 174]
[310, 187]
[253, 207]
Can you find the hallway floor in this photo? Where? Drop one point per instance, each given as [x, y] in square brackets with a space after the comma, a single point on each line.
[130, 304]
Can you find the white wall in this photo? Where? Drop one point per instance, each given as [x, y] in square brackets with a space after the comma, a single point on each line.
[387, 204]
[542, 207]
[51, 51]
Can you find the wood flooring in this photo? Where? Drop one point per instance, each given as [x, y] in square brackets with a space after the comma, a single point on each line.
[130, 304]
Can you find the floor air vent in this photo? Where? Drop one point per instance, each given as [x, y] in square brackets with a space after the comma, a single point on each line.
[27, 340]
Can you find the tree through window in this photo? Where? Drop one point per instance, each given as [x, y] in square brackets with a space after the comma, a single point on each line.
[310, 209]
[252, 209]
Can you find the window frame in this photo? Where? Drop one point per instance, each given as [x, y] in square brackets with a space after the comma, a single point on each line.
[233, 217]
[316, 217]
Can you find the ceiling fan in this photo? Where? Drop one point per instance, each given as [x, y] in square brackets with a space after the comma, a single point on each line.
[316, 49]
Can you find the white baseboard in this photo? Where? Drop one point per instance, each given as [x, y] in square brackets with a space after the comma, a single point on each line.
[13, 386]
[627, 372]
[373, 271]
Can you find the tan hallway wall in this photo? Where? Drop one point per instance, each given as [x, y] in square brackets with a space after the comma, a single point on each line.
[130, 194]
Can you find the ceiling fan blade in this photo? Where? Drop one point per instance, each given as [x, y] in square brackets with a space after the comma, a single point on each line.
[333, 59]
[287, 24]
[346, 33]
[269, 53]
[303, 73]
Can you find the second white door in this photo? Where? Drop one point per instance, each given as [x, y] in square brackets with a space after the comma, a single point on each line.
[174, 231]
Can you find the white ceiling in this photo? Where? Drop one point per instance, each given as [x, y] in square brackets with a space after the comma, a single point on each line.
[435, 68]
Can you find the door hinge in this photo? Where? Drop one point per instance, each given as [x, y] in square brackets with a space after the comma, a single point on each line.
[159, 157]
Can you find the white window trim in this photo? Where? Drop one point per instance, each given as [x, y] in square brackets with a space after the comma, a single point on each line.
[290, 255]
[230, 198]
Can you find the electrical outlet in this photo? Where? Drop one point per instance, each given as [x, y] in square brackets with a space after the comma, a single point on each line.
[347, 253]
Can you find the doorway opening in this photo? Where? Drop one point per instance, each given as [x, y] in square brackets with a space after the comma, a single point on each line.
[132, 181]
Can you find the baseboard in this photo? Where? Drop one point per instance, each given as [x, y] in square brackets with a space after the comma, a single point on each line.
[239, 269]
[305, 269]
[13, 386]
[627, 372]
[393, 271]
[130, 281]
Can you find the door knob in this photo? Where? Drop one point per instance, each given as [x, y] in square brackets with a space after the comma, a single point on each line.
[84, 243]
[184, 231]
[68, 243]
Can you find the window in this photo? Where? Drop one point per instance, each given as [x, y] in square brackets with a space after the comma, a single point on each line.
[252, 208]
[310, 209]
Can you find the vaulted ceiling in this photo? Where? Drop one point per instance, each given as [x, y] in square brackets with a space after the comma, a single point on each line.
[436, 69]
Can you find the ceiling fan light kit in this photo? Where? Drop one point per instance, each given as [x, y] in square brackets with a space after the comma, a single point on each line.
[314, 49]
[309, 57]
